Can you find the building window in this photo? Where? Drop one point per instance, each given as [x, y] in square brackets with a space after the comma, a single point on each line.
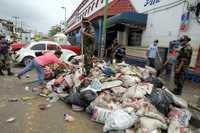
[134, 37]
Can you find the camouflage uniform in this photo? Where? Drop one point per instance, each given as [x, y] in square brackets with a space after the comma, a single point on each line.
[184, 55]
[88, 48]
[5, 59]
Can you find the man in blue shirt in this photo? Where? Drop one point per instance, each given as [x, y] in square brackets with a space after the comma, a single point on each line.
[152, 53]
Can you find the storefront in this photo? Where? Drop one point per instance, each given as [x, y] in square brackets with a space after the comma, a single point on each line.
[167, 20]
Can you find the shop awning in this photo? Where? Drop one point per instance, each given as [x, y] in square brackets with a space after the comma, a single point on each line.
[131, 18]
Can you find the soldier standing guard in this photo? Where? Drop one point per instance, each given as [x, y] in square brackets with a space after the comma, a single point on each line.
[88, 46]
[183, 62]
[5, 59]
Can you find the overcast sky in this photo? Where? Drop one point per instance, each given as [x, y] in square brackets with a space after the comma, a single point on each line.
[38, 14]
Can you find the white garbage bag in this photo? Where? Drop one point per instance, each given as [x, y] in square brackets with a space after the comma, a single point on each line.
[100, 114]
[119, 120]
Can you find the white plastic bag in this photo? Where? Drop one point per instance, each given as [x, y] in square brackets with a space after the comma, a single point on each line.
[119, 120]
[100, 114]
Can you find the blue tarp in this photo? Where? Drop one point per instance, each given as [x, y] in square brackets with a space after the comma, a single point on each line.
[129, 18]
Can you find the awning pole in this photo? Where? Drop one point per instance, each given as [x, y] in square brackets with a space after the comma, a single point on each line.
[104, 29]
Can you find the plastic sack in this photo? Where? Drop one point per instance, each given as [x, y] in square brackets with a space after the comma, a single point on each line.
[174, 127]
[129, 81]
[95, 86]
[100, 115]
[148, 131]
[133, 92]
[161, 99]
[151, 70]
[77, 77]
[119, 90]
[145, 72]
[50, 85]
[181, 115]
[151, 124]
[111, 84]
[69, 80]
[119, 120]
[180, 102]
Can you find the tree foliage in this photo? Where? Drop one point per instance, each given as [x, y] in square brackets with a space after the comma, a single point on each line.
[54, 30]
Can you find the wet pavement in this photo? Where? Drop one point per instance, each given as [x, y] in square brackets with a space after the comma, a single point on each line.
[30, 119]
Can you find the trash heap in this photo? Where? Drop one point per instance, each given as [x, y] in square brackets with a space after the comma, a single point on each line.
[123, 97]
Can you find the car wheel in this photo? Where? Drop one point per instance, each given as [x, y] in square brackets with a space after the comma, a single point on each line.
[27, 60]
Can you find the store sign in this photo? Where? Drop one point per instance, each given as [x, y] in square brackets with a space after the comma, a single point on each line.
[151, 2]
[85, 10]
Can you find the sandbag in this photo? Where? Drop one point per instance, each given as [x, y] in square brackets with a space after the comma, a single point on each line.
[133, 92]
[174, 127]
[100, 114]
[140, 130]
[119, 120]
[111, 84]
[129, 81]
[152, 124]
[182, 116]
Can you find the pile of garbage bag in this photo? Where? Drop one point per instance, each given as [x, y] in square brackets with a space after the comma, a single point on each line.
[123, 97]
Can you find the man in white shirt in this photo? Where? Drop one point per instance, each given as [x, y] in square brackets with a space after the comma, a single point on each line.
[152, 53]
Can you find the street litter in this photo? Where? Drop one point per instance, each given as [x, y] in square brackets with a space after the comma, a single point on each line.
[44, 106]
[13, 100]
[26, 88]
[68, 117]
[120, 96]
[11, 119]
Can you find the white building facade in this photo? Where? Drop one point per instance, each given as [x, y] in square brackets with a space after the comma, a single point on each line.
[164, 22]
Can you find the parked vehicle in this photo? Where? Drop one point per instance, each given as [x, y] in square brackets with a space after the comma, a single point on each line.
[26, 54]
[18, 45]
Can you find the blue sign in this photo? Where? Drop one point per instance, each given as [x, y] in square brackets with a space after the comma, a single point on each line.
[151, 2]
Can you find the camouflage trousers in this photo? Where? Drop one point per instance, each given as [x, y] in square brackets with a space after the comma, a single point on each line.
[5, 61]
[179, 81]
[88, 52]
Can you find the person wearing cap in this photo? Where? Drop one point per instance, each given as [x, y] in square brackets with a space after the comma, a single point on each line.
[88, 40]
[42, 61]
[152, 53]
[184, 56]
[5, 59]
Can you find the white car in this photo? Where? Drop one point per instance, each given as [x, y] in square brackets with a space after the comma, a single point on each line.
[26, 54]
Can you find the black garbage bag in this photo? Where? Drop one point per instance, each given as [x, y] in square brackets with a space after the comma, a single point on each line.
[82, 99]
[157, 83]
[161, 99]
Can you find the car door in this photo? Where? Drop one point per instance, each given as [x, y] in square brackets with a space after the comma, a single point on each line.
[52, 47]
[38, 49]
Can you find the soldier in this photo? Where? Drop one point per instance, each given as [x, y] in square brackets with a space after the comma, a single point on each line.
[5, 59]
[88, 40]
[183, 62]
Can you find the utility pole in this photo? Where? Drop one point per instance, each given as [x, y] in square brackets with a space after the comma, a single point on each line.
[104, 29]
[65, 9]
